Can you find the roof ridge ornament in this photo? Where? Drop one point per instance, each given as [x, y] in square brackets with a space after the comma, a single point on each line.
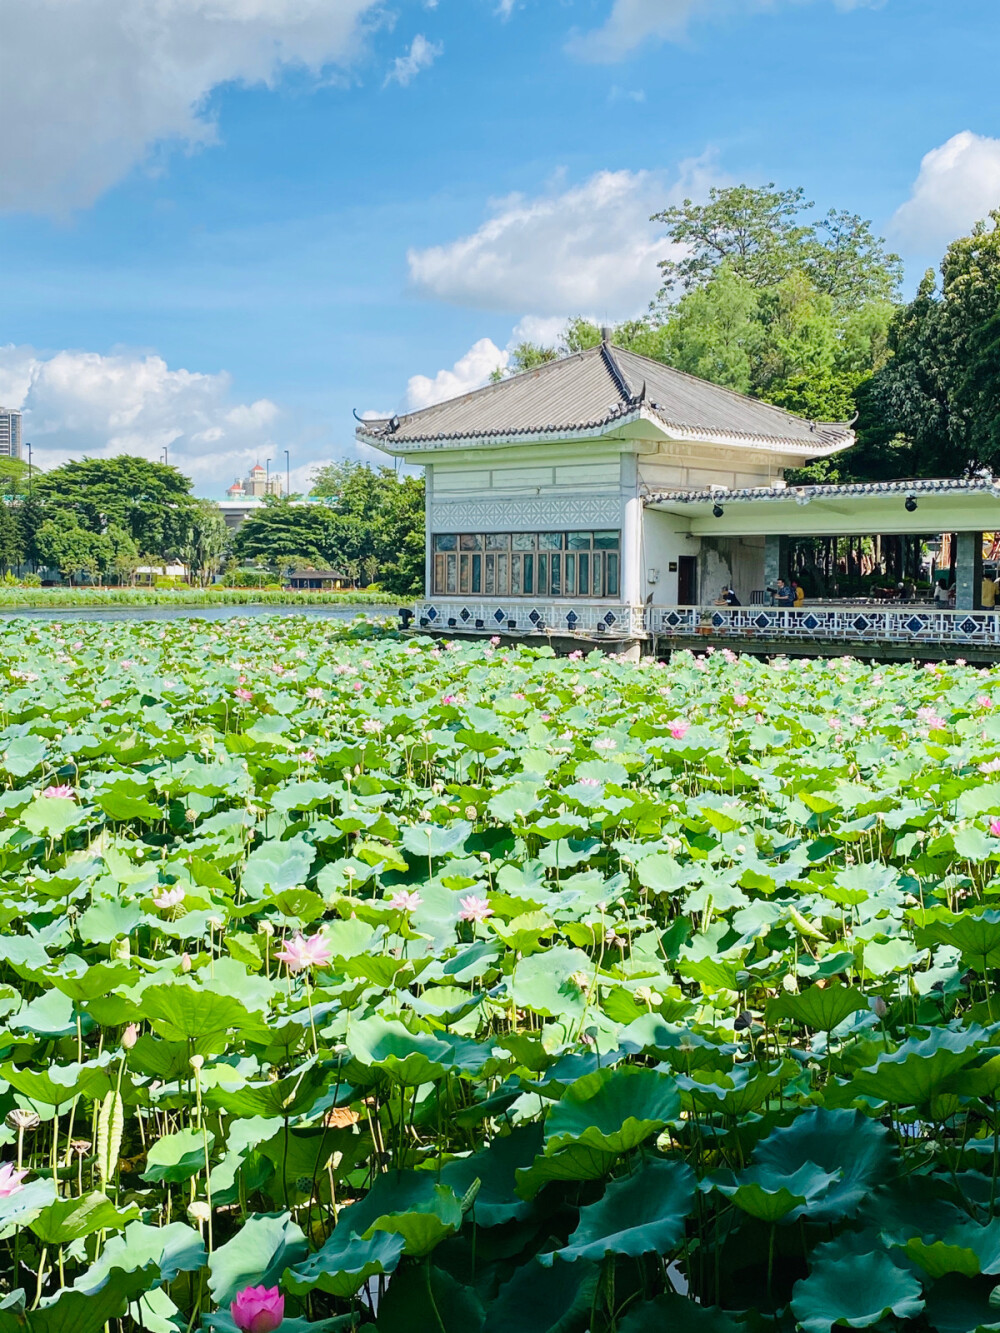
[616, 372]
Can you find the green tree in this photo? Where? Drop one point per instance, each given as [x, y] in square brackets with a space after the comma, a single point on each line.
[71, 549]
[379, 517]
[281, 527]
[205, 542]
[763, 235]
[934, 408]
[149, 501]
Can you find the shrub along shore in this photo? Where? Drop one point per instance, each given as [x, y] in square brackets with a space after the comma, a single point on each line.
[85, 597]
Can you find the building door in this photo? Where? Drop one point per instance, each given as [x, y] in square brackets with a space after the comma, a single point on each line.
[687, 580]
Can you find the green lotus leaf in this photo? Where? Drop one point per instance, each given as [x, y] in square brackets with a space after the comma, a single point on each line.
[177, 1157]
[75, 1311]
[856, 1153]
[742, 1090]
[921, 1067]
[175, 1248]
[430, 840]
[257, 1255]
[17, 1210]
[554, 1298]
[680, 1315]
[52, 815]
[407, 1203]
[181, 1013]
[66, 1220]
[855, 1294]
[495, 1169]
[612, 1111]
[820, 1008]
[419, 1301]
[345, 1264]
[960, 1305]
[640, 1214]
[548, 983]
[975, 934]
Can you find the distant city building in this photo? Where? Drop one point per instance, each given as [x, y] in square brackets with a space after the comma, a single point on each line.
[256, 485]
[10, 432]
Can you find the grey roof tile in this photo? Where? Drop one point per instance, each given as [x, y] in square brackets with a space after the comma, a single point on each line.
[597, 388]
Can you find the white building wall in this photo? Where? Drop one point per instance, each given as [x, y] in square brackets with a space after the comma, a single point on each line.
[663, 543]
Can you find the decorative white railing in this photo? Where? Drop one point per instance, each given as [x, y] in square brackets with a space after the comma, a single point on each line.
[520, 615]
[843, 624]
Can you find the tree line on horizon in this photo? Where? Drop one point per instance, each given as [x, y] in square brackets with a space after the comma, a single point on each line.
[105, 518]
[807, 314]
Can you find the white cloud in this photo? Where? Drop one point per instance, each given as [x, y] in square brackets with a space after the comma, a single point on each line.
[470, 372]
[632, 22]
[958, 184]
[543, 330]
[590, 248]
[97, 84]
[78, 403]
[420, 56]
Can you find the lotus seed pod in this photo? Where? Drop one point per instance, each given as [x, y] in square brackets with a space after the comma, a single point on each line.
[199, 1212]
[23, 1120]
[197, 1062]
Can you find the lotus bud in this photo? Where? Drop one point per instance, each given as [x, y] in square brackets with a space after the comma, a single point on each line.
[265, 928]
[199, 1212]
[22, 1120]
[185, 962]
[879, 1007]
[258, 1309]
[197, 1062]
[130, 1036]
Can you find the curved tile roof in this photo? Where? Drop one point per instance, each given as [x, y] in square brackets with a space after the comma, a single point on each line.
[589, 393]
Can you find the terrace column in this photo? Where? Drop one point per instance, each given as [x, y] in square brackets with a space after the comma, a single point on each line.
[969, 572]
[631, 572]
[428, 531]
[775, 560]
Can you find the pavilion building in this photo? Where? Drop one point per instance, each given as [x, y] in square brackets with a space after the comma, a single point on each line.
[608, 493]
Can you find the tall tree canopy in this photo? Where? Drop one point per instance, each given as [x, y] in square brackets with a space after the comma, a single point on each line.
[152, 502]
[764, 235]
[934, 408]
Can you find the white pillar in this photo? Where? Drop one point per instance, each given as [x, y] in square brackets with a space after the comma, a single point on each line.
[631, 573]
[429, 532]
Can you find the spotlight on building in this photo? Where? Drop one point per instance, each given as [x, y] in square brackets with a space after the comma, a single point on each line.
[480, 624]
[717, 511]
[910, 505]
[511, 626]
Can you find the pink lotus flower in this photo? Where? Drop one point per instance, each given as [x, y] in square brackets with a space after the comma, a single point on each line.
[169, 898]
[995, 827]
[449, 699]
[983, 701]
[61, 793]
[495, 641]
[308, 756]
[314, 693]
[991, 766]
[474, 909]
[10, 1179]
[245, 695]
[679, 729]
[301, 953]
[741, 700]
[258, 1309]
[405, 901]
[589, 782]
[575, 656]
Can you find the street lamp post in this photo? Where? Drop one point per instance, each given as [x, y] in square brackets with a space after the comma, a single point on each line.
[288, 474]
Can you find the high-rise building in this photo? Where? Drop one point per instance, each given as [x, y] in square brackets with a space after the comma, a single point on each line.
[256, 485]
[10, 432]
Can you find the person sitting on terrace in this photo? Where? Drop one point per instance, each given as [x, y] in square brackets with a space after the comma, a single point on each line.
[799, 591]
[941, 594]
[727, 597]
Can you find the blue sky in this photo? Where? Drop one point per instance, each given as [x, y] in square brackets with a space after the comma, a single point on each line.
[227, 223]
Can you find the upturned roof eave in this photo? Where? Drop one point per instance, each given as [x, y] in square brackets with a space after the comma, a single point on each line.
[398, 445]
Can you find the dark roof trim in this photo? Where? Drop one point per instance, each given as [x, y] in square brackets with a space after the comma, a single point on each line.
[616, 372]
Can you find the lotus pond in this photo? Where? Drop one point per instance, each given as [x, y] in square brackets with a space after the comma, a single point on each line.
[455, 989]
